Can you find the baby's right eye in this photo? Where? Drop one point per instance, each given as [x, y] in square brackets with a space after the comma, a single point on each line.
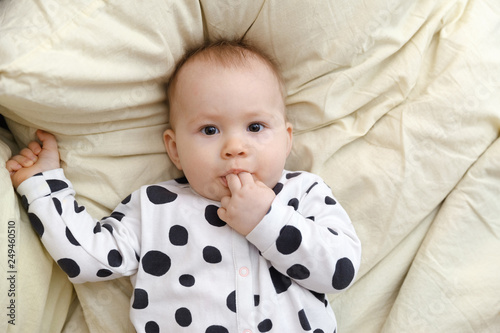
[210, 130]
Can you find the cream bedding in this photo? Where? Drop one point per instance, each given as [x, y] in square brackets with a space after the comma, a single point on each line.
[396, 104]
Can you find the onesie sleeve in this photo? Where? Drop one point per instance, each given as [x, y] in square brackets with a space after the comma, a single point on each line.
[308, 237]
[84, 248]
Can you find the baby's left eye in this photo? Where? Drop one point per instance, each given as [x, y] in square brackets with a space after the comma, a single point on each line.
[256, 127]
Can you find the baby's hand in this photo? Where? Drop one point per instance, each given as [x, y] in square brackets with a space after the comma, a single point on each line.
[249, 202]
[34, 159]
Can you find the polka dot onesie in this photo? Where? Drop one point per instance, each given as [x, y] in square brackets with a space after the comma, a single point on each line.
[193, 273]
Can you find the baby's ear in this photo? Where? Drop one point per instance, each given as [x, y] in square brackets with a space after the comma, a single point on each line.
[289, 131]
[171, 147]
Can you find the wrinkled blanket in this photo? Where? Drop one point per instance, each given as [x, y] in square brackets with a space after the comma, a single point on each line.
[396, 104]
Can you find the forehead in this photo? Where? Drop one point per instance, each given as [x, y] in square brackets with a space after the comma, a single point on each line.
[225, 57]
[203, 75]
[211, 65]
[200, 69]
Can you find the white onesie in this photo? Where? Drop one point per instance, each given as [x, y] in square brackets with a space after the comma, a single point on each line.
[191, 272]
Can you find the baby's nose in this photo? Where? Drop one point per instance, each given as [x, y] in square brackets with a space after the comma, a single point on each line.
[235, 147]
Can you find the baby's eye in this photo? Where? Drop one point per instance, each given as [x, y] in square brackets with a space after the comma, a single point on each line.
[210, 130]
[255, 127]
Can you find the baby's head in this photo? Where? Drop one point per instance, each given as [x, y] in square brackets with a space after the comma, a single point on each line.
[226, 54]
[227, 115]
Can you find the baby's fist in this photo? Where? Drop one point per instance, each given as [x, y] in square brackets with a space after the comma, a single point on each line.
[34, 159]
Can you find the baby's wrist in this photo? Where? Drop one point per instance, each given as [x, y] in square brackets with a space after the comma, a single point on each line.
[23, 177]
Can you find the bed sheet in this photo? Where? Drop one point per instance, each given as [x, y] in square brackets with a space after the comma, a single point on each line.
[396, 104]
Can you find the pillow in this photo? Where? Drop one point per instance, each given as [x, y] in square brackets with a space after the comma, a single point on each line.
[391, 101]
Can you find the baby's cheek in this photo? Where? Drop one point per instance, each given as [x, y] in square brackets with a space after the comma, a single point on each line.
[272, 178]
[211, 190]
[266, 139]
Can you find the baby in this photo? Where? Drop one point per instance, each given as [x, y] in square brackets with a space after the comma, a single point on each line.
[237, 245]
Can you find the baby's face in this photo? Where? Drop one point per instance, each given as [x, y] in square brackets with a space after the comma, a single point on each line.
[227, 120]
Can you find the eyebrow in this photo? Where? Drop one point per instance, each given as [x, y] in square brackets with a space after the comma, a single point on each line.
[204, 115]
[251, 114]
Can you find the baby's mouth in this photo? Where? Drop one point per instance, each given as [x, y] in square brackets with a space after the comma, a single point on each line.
[224, 181]
[232, 171]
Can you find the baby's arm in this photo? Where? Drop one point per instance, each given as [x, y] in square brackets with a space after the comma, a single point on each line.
[86, 249]
[34, 159]
[308, 237]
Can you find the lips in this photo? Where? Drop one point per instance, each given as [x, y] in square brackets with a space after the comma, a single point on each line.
[234, 171]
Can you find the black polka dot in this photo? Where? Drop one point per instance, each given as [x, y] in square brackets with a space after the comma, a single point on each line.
[321, 297]
[108, 227]
[265, 326]
[24, 202]
[292, 175]
[78, 209]
[187, 280]
[256, 300]
[116, 215]
[344, 274]
[156, 263]
[104, 273]
[152, 327]
[330, 201]
[212, 217]
[127, 199]
[312, 218]
[216, 329]
[318, 331]
[231, 301]
[159, 195]
[58, 206]
[288, 240]
[114, 258]
[311, 187]
[281, 282]
[56, 185]
[212, 255]
[141, 299]
[277, 188]
[182, 180]
[36, 224]
[333, 231]
[97, 228]
[298, 272]
[294, 203]
[183, 317]
[69, 266]
[178, 235]
[304, 322]
[71, 238]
